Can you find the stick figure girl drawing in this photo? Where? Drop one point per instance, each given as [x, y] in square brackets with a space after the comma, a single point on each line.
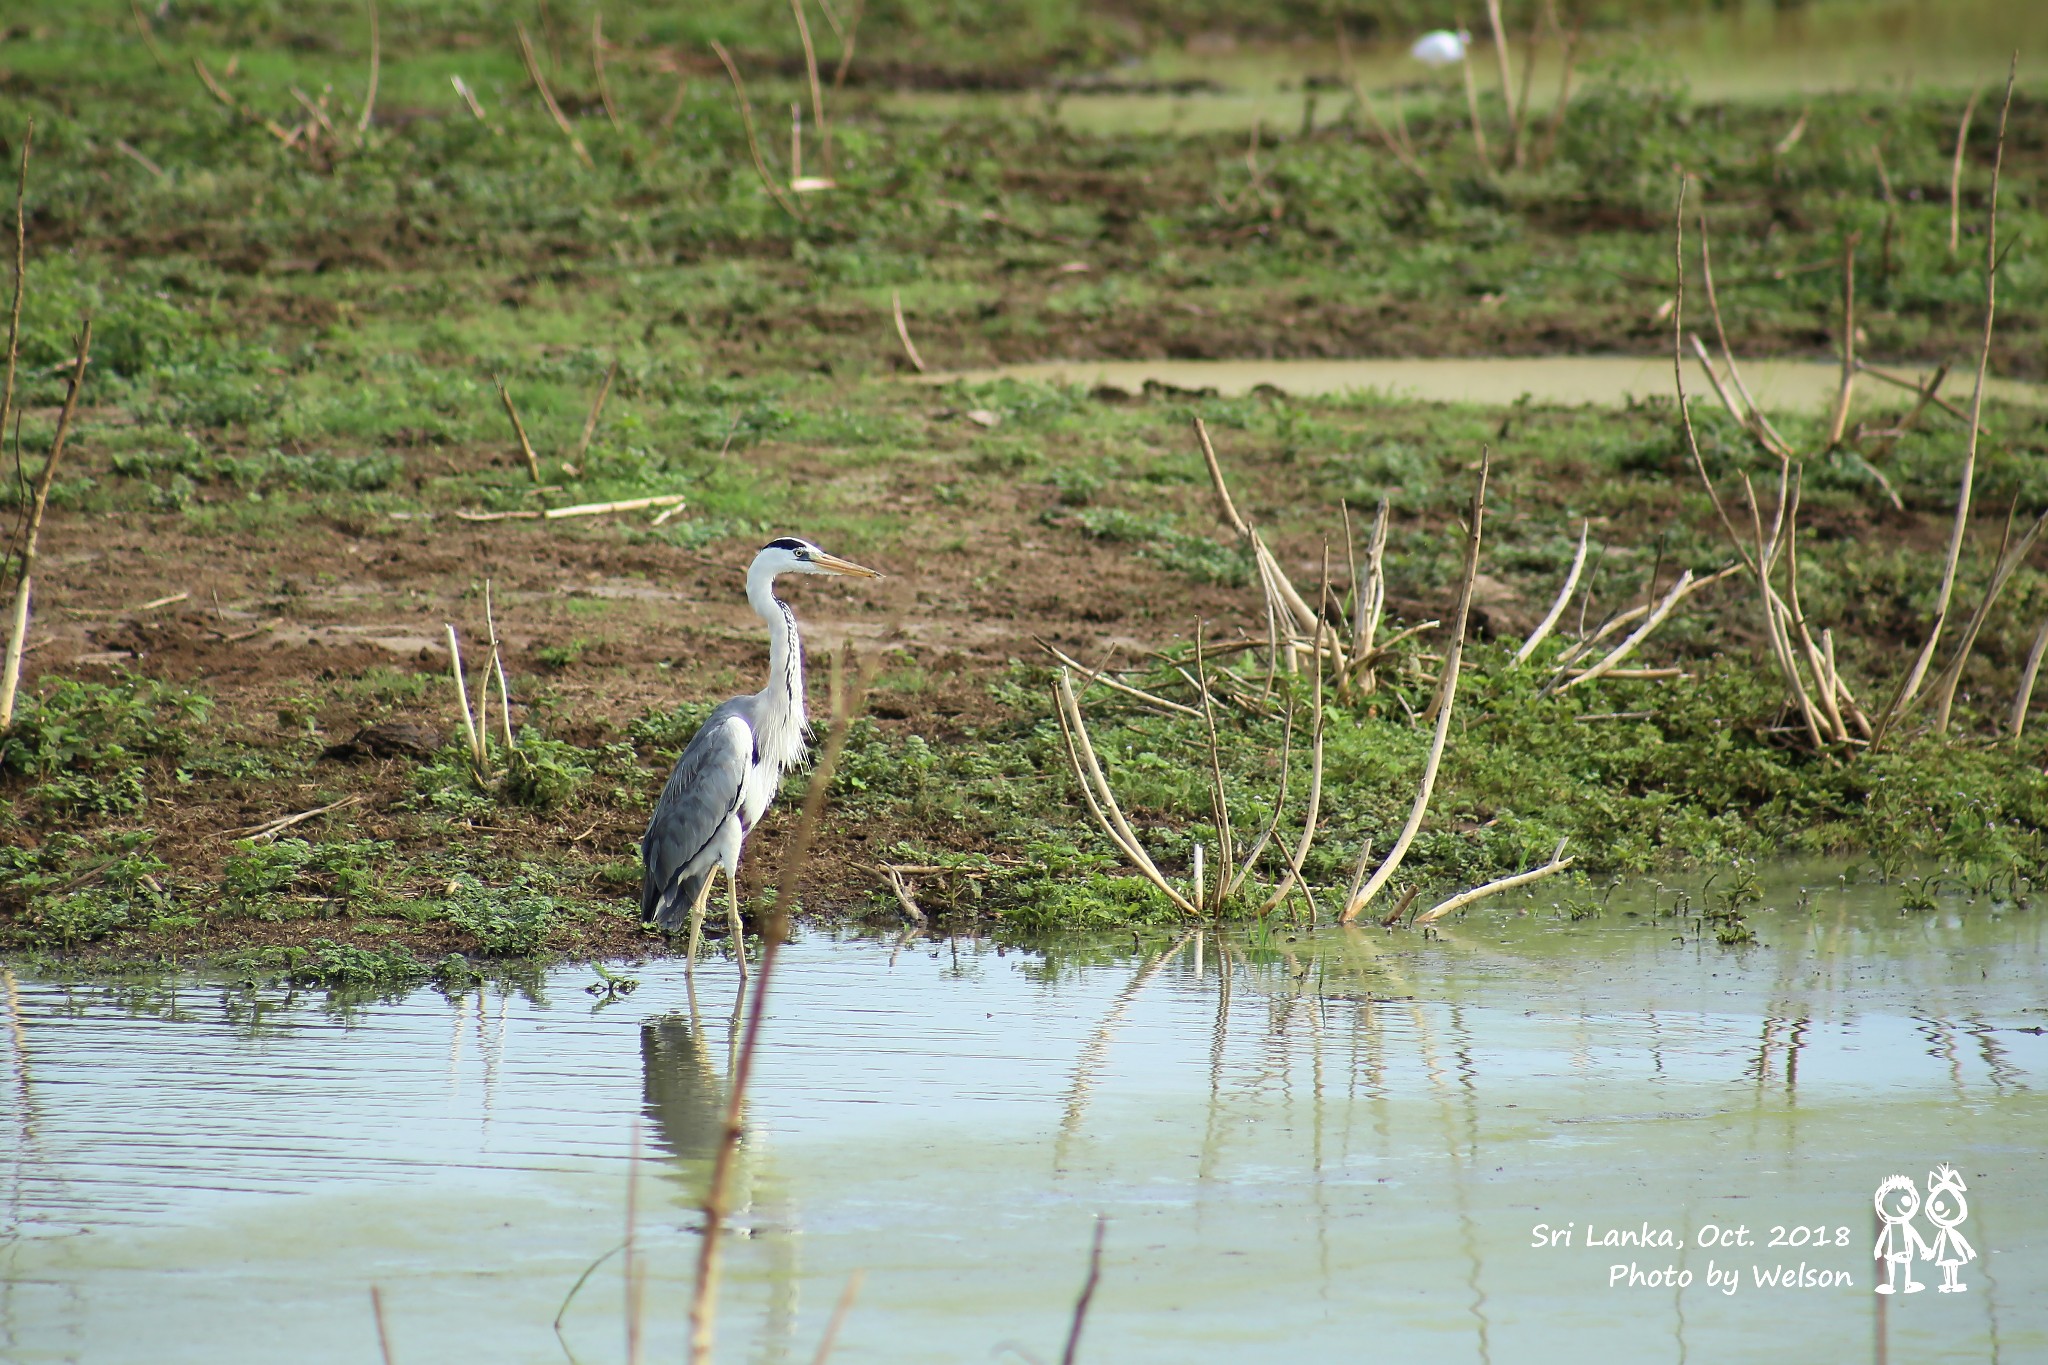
[1946, 1208]
[1898, 1199]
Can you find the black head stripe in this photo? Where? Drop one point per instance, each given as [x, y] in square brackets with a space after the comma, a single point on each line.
[789, 543]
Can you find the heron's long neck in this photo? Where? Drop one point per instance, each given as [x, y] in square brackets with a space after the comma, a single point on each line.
[782, 700]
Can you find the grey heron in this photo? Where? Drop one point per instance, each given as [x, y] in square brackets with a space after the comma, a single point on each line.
[729, 772]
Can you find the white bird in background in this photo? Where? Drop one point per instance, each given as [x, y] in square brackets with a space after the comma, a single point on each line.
[1441, 48]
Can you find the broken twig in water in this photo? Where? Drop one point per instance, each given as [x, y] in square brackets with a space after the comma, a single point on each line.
[1558, 863]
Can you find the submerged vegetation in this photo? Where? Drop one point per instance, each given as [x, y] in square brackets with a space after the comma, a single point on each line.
[347, 350]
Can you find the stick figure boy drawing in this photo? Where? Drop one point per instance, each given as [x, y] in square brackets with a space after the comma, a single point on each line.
[1946, 1208]
[1898, 1199]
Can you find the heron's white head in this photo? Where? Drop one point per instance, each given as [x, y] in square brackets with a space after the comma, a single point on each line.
[791, 555]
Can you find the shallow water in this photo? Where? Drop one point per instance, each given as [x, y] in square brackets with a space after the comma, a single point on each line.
[1755, 51]
[1608, 381]
[1330, 1146]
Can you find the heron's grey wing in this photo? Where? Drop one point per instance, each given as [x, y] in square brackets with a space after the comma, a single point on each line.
[702, 793]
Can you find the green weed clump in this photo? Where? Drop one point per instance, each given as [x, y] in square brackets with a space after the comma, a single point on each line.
[74, 890]
[291, 878]
[85, 746]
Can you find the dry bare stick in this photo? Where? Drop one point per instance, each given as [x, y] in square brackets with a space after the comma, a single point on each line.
[604, 87]
[1095, 790]
[469, 727]
[148, 38]
[1226, 837]
[1315, 801]
[1090, 676]
[1826, 684]
[133, 154]
[270, 829]
[1909, 686]
[20, 287]
[2024, 696]
[839, 1312]
[547, 97]
[803, 31]
[1955, 174]
[1927, 391]
[1621, 651]
[1507, 79]
[672, 501]
[518, 427]
[1073, 1348]
[383, 1336]
[846, 35]
[1369, 606]
[1446, 698]
[221, 94]
[1678, 379]
[2008, 563]
[1564, 597]
[1520, 121]
[1791, 138]
[739, 89]
[469, 98]
[370, 94]
[1472, 104]
[903, 331]
[497, 666]
[1757, 423]
[1558, 863]
[17, 631]
[596, 408]
[846, 690]
[1839, 422]
[1397, 148]
[1564, 98]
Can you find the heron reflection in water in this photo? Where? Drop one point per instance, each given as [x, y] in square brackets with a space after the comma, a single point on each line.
[683, 1097]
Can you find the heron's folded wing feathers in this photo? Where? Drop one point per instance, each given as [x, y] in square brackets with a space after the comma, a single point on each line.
[701, 795]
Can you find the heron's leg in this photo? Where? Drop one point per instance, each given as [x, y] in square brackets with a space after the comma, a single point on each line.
[697, 924]
[739, 930]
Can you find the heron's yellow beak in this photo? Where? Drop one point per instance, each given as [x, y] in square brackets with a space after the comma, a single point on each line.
[834, 564]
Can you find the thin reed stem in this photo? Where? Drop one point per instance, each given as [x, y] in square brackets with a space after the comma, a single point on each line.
[1564, 597]
[2023, 697]
[1072, 1352]
[803, 32]
[604, 86]
[547, 97]
[1909, 686]
[903, 331]
[1447, 694]
[1955, 174]
[839, 1312]
[17, 633]
[370, 90]
[739, 90]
